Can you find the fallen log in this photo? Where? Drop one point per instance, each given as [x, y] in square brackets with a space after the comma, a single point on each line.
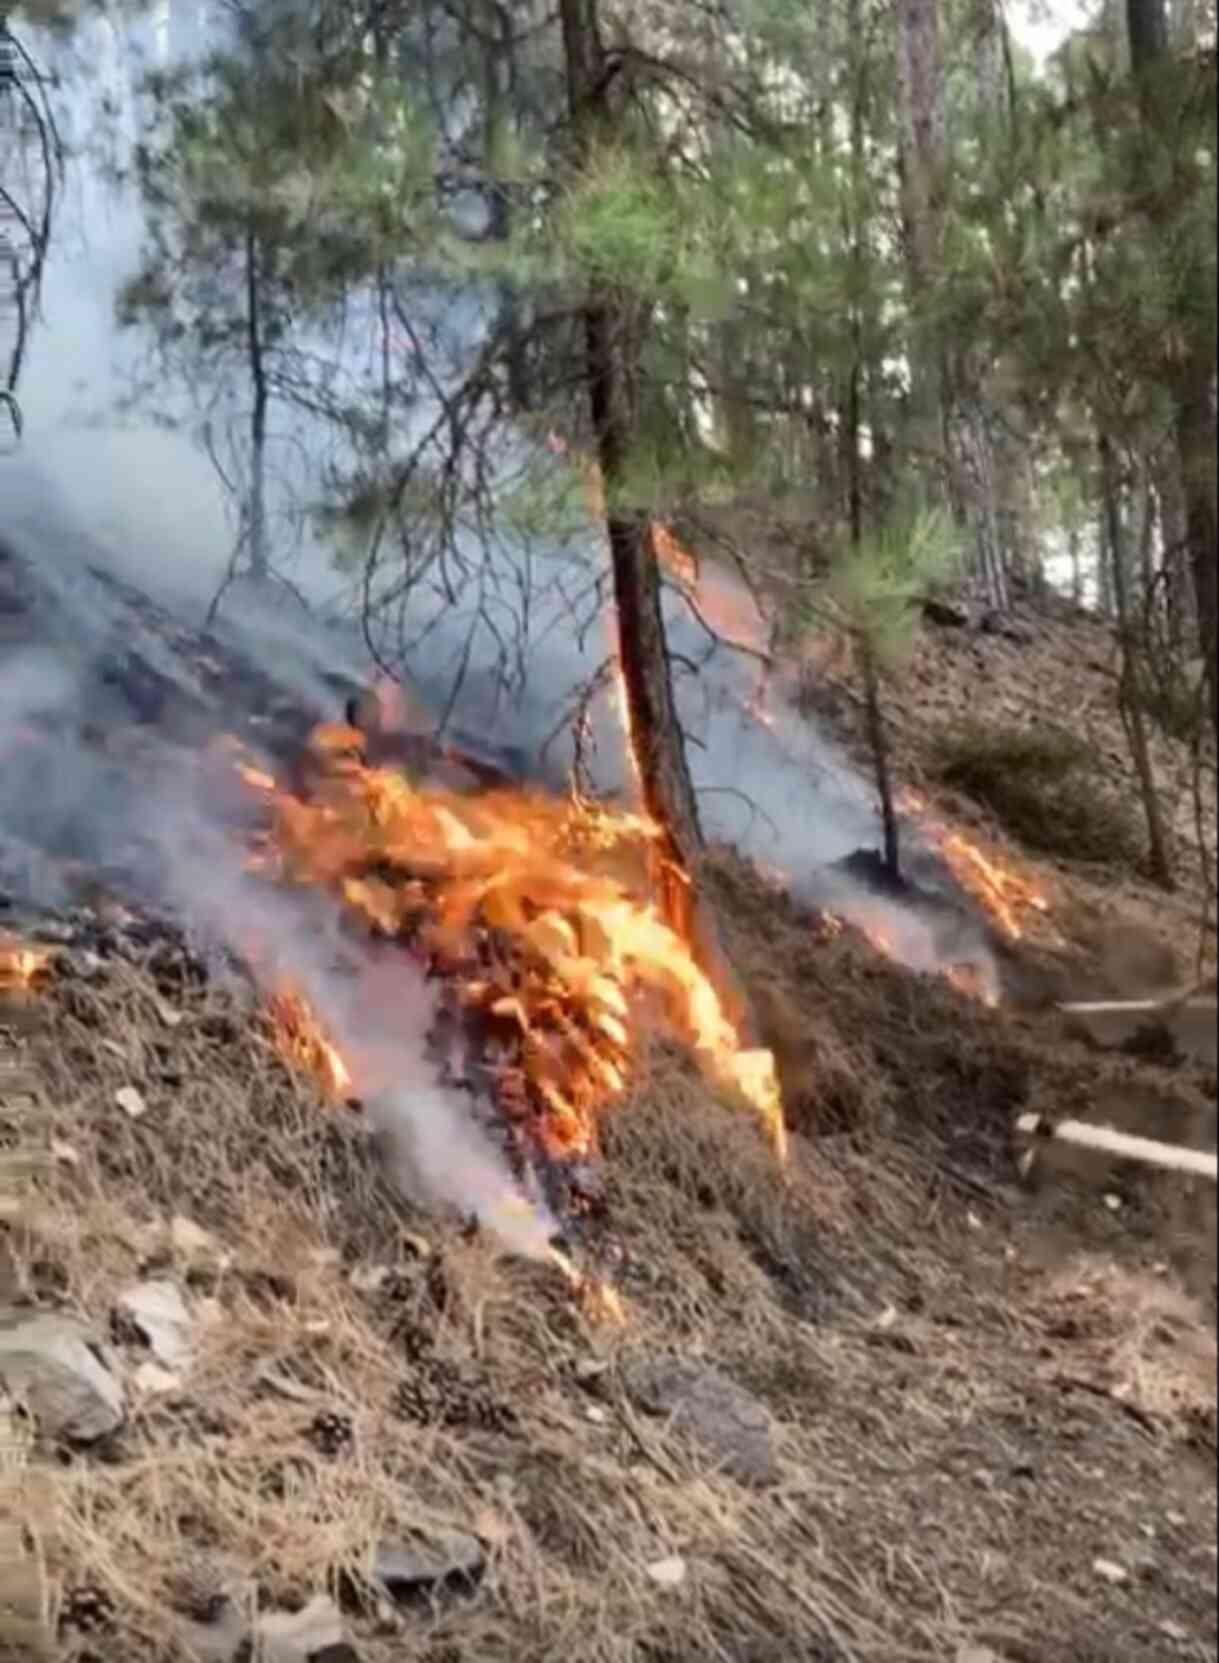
[1082, 1134]
[1189, 1018]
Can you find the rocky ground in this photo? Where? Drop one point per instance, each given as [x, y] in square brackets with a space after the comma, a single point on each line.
[887, 1403]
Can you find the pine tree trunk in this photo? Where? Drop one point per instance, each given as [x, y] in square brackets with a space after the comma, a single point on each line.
[1192, 382]
[1130, 687]
[921, 161]
[612, 337]
[1196, 441]
[611, 343]
[1077, 576]
[1175, 554]
[256, 507]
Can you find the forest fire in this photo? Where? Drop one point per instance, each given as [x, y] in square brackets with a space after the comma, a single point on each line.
[1003, 892]
[304, 1046]
[533, 906]
[21, 965]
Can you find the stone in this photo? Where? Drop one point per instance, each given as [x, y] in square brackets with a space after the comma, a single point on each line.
[190, 1239]
[58, 1367]
[301, 1636]
[668, 1573]
[159, 1312]
[1110, 1571]
[729, 1423]
[403, 1568]
[151, 1380]
[222, 1641]
[947, 614]
[131, 1102]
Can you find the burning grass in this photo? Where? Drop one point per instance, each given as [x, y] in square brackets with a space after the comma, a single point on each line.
[21, 966]
[538, 906]
[913, 1361]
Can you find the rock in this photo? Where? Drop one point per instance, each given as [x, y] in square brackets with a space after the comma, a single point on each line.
[59, 1368]
[404, 1568]
[1110, 1571]
[948, 614]
[1174, 1631]
[704, 1405]
[160, 1314]
[369, 1278]
[160, 1311]
[151, 1380]
[131, 1102]
[222, 1641]
[189, 1238]
[301, 1636]
[668, 1573]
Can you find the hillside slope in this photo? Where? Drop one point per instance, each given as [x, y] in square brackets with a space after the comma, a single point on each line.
[1051, 677]
[881, 1404]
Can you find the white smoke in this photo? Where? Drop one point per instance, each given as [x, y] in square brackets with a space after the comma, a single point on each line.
[373, 1004]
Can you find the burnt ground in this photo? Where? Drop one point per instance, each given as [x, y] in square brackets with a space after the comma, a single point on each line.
[993, 1407]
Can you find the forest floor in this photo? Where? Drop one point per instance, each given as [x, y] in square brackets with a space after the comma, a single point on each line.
[886, 1402]
[1054, 673]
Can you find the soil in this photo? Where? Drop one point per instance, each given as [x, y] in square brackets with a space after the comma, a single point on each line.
[993, 1405]
[992, 1400]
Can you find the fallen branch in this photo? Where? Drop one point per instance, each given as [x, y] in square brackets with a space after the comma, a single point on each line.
[1106, 1141]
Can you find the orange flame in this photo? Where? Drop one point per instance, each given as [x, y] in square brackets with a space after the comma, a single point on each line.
[20, 964]
[554, 882]
[304, 1046]
[1004, 892]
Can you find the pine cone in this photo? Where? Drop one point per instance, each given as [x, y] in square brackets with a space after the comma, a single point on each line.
[87, 1610]
[331, 1433]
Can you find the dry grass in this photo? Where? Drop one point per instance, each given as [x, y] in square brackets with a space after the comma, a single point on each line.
[939, 1484]
[1066, 661]
[1045, 788]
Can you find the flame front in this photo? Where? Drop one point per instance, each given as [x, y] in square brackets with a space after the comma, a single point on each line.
[535, 906]
[304, 1046]
[1004, 893]
[21, 964]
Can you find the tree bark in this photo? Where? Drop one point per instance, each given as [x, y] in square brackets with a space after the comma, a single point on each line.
[256, 506]
[1196, 441]
[611, 346]
[612, 337]
[1130, 688]
[1177, 579]
[878, 738]
[1191, 380]
[921, 161]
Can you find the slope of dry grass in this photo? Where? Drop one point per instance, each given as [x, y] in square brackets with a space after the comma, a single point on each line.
[976, 1393]
[1059, 676]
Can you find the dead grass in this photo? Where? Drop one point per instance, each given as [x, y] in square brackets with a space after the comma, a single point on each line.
[938, 1484]
[1044, 787]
